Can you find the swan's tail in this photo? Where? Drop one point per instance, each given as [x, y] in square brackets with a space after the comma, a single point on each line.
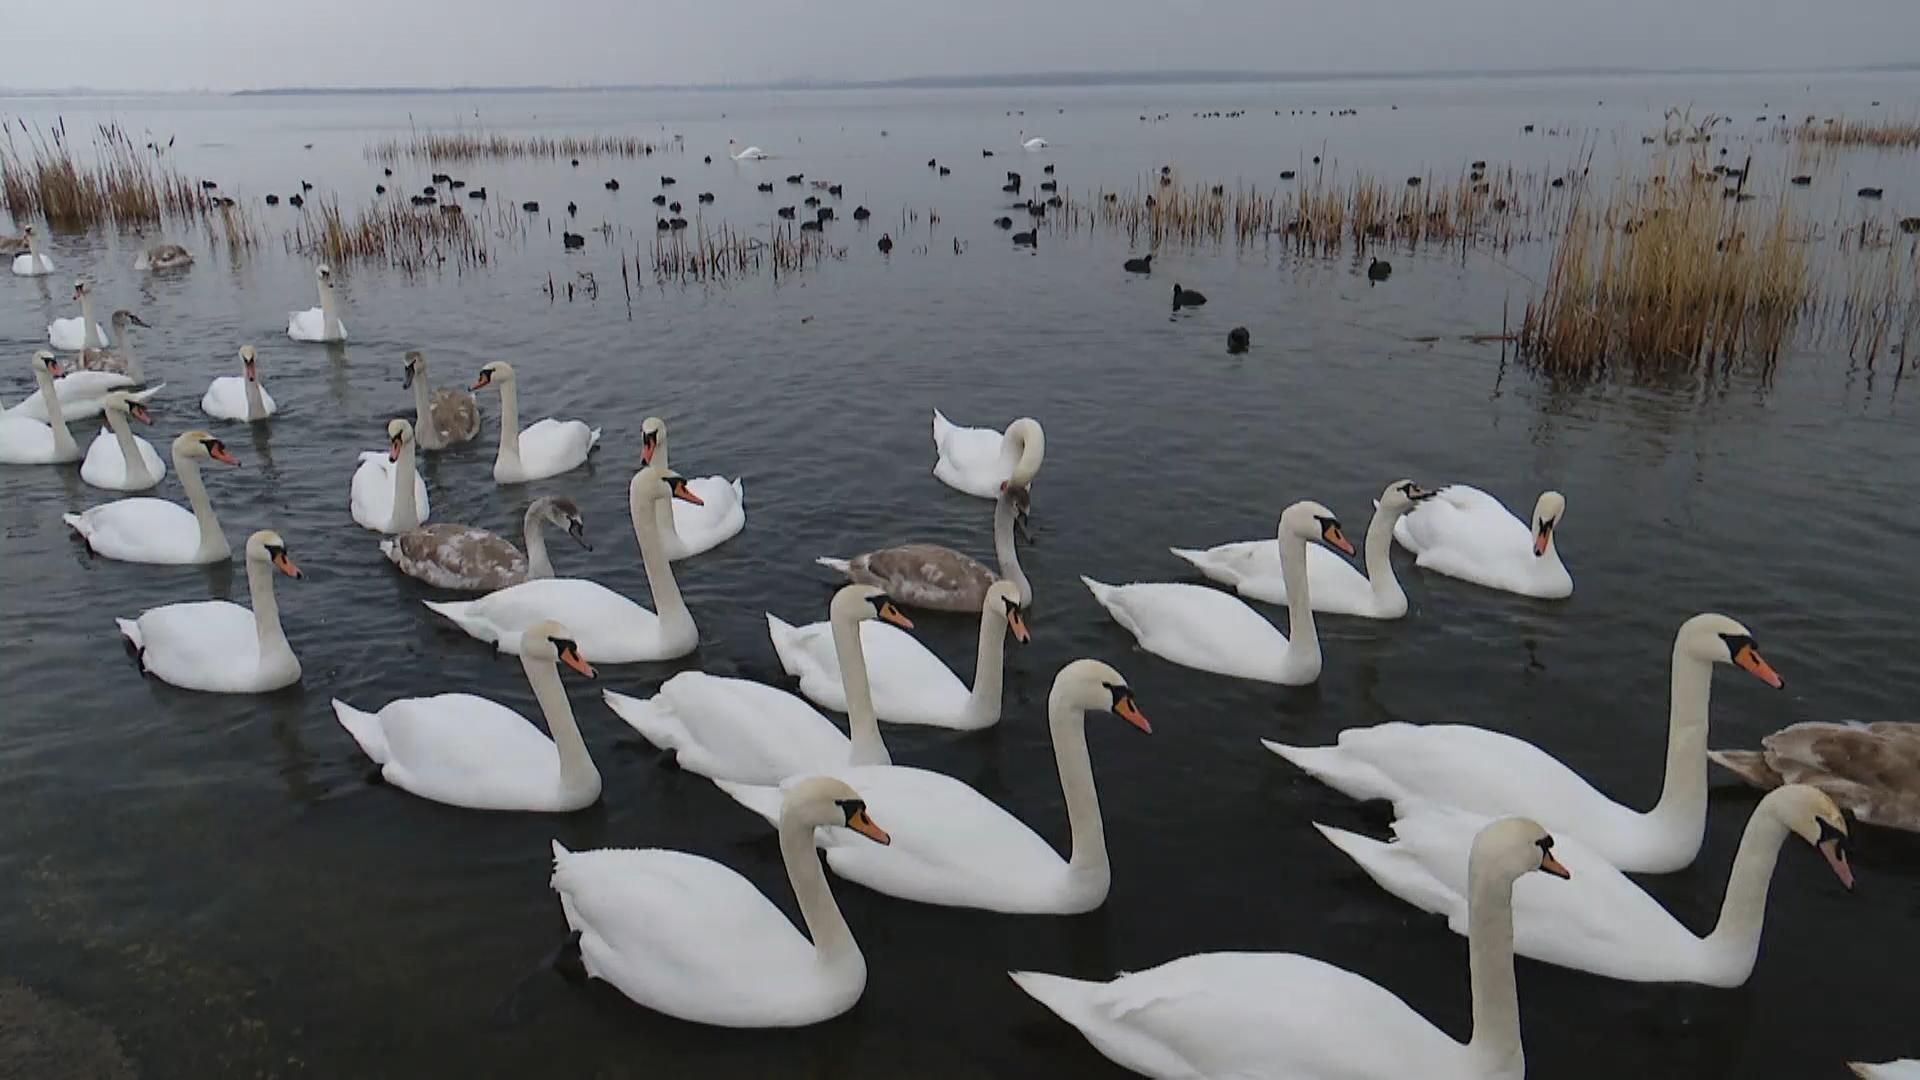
[366, 729]
[1337, 769]
[1069, 999]
[79, 523]
[456, 612]
[1100, 590]
[144, 396]
[1197, 558]
[1395, 870]
[782, 633]
[839, 566]
[652, 717]
[130, 629]
[941, 425]
[1748, 765]
[593, 438]
[758, 798]
[391, 550]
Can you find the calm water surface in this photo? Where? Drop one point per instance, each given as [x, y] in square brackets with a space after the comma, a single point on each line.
[217, 879]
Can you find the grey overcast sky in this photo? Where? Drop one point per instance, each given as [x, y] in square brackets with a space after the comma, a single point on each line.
[235, 44]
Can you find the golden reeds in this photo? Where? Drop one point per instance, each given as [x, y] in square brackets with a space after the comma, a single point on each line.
[477, 145]
[1836, 131]
[122, 184]
[404, 236]
[718, 255]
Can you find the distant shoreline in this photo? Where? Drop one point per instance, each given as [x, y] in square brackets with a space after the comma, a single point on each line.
[1037, 80]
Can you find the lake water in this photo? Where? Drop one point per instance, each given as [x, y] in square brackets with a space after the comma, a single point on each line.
[216, 879]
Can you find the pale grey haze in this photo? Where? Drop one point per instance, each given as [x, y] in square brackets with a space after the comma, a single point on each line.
[240, 44]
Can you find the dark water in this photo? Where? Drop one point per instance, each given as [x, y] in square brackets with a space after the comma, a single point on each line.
[215, 878]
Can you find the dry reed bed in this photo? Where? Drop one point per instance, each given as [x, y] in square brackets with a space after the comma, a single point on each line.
[1871, 134]
[482, 145]
[405, 237]
[42, 174]
[699, 254]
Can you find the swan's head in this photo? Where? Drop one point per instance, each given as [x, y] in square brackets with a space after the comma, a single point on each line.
[324, 275]
[561, 513]
[415, 366]
[653, 438]
[1813, 817]
[266, 546]
[549, 641]
[199, 445]
[822, 801]
[399, 437]
[1716, 639]
[654, 483]
[1513, 847]
[1003, 601]
[81, 288]
[124, 318]
[1402, 496]
[1027, 434]
[248, 358]
[123, 403]
[46, 365]
[497, 372]
[1311, 521]
[1090, 684]
[858, 603]
[1547, 512]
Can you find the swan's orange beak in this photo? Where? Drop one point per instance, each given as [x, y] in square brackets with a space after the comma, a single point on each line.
[139, 412]
[218, 452]
[1126, 710]
[1749, 657]
[1542, 537]
[480, 382]
[860, 822]
[54, 367]
[647, 444]
[1836, 854]
[1017, 623]
[1337, 539]
[683, 492]
[393, 450]
[570, 656]
[894, 615]
[1551, 865]
[285, 565]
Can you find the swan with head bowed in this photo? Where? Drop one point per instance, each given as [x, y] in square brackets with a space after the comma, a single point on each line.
[751, 153]
[240, 397]
[75, 334]
[957, 847]
[939, 578]
[1609, 925]
[32, 262]
[1254, 570]
[1464, 532]
[465, 750]
[387, 494]
[221, 647]
[686, 528]
[1255, 1014]
[1035, 143]
[26, 441]
[1873, 770]
[1207, 629]
[474, 560]
[155, 530]
[444, 417]
[609, 628]
[1491, 773]
[546, 448]
[751, 733]
[119, 460]
[163, 257]
[319, 323]
[910, 684]
[982, 461]
[686, 936]
[121, 358]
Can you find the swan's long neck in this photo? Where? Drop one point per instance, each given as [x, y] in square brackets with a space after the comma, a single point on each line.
[577, 773]
[213, 542]
[63, 444]
[833, 943]
[256, 401]
[423, 427]
[329, 313]
[983, 704]
[1386, 588]
[266, 610]
[538, 565]
[1735, 942]
[675, 619]
[862, 721]
[1495, 1045]
[1303, 641]
[1679, 819]
[137, 474]
[131, 358]
[89, 330]
[663, 510]
[1087, 868]
[509, 423]
[406, 510]
[1004, 551]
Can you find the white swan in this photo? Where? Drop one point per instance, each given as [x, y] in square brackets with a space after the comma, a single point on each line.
[1035, 143]
[957, 847]
[547, 448]
[239, 397]
[1282, 1015]
[319, 323]
[1904, 1069]
[473, 559]
[1491, 773]
[688, 937]
[1465, 533]
[1253, 569]
[82, 394]
[387, 494]
[464, 750]
[217, 646]
[26, 441]
[910, 684]
[1607, 925]
[444, 417]
[688, 529]
[751, 733]
[981, 461]
[121, 358]
[1207, 629]
[118, 460]
[939, 578]
[751, 153]
[163, 257]
[34, 263]
[155, 530]
[610, 628]
[75, 334]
